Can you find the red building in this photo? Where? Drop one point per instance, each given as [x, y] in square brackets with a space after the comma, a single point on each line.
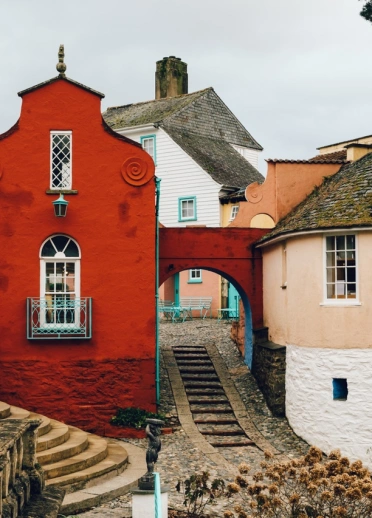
[77, 315]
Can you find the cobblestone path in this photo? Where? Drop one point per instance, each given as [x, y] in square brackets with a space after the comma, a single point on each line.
[183, 452]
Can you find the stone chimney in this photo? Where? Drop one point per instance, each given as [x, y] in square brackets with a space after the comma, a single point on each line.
[170, 77]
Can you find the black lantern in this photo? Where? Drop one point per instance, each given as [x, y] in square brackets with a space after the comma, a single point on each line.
[60, 207]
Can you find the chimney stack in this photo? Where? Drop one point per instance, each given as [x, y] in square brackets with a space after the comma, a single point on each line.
[170, 77]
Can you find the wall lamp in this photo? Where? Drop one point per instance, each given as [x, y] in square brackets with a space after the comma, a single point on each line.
[60, 207]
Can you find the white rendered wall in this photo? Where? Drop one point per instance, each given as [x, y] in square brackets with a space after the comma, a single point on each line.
[313, 413]
[181, 176]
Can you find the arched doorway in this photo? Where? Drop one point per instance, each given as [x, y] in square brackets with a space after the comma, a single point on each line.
[170, 293]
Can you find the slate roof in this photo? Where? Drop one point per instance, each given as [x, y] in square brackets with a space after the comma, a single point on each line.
[202, 125]
[341, 201]
[220, 160]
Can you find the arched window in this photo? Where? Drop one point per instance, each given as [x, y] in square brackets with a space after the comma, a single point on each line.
[60, 281]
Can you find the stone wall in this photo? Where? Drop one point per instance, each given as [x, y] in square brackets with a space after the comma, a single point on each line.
[269, 366]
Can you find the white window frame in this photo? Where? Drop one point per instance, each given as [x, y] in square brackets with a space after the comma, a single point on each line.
[149, 138]
[59, 257]
[68, 184]
[234, 212]
[342, 297]
[195, 276]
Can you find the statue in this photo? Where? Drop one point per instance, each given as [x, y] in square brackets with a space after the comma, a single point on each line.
[154, 446]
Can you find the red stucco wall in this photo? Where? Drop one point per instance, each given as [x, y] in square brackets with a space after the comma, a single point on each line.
[79, 381]
[226, 251]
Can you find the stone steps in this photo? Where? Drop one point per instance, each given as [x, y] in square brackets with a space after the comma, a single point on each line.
[204, 391]
[77, 443]
[91, 469]
[209, 405]
[4, 410]
[58, 434]
[229, 442]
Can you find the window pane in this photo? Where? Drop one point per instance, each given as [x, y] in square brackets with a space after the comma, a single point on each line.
[340, 242]
[340, 274]
[331, 291]
[350, 242]
[49, 277]
[330, 259]
[330, 275]
[330, 243]
[148, 145]
[187, 209]
[72, 250]
[48, 249]
[60, 242]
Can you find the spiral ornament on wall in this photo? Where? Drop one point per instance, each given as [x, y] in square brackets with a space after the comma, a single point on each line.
[135, 171]
[253, 193]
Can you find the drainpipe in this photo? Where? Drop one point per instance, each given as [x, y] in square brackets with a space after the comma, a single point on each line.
[157, 344]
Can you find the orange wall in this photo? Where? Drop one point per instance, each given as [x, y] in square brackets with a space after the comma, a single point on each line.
[286, 185]
[113, 222]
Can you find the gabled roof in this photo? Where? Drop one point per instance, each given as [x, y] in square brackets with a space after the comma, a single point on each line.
[334, 157]
[202, 125]
[201, 112]
[341, 201]
[60, 78]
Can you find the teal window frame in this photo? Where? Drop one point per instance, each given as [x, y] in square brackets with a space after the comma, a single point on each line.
[195, 280]
[186, 198]
[153, 137]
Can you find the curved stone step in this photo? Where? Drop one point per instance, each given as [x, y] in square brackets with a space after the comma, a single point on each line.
[114, 463]
[76, 443]
[58, 434]
[18, 413]
[106, 490]
[96, 452]
[45, 426]
[4, 410]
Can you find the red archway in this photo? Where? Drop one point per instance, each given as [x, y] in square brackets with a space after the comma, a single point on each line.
[226, 251]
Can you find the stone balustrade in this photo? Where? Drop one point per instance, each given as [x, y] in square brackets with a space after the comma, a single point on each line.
[21, 478]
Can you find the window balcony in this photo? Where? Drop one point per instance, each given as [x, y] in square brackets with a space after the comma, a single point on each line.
[59, 317]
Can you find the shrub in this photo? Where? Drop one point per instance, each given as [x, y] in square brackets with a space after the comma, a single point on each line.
[133, 417]
[305, 487]
[199, 492]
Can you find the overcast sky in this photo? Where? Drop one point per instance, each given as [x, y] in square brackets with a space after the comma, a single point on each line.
[296, 73]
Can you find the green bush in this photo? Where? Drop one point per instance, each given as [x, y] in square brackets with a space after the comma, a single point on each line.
[133, 417]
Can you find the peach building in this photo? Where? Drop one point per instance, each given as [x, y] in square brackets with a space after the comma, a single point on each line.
[317, 292]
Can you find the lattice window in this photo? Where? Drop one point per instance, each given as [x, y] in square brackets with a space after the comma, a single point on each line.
[61, 171]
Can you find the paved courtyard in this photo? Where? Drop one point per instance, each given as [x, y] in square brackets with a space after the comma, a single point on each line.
[183, 455]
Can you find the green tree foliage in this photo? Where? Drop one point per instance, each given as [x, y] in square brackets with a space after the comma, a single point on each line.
[366, 11]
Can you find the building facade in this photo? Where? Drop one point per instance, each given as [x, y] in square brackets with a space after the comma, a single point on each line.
[76, 341]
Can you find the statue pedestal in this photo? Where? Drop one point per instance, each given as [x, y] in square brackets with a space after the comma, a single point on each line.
[143, 503]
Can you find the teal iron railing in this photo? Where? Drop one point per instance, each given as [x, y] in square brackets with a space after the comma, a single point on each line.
[157, 493]
[59, 317]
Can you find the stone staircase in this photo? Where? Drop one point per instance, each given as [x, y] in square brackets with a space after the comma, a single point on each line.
[209, 405]
[90, 468]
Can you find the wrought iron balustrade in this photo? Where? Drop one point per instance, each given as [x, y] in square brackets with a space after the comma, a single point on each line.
[59, 316]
